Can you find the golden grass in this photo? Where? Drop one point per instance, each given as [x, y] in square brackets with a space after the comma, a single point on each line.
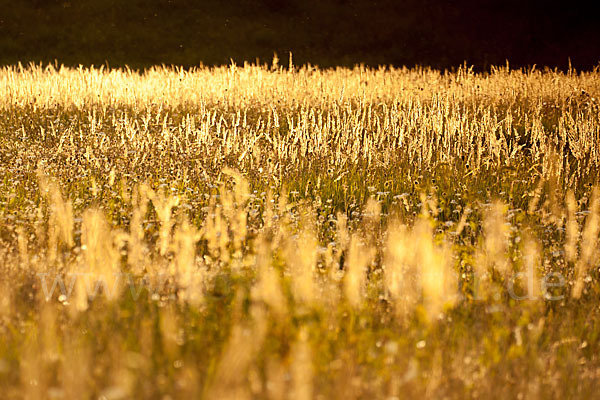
[255, 232]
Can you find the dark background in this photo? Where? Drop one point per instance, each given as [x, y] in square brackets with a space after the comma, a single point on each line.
[441, 34]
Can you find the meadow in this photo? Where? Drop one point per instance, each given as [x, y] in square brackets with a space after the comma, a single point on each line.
[255, 231]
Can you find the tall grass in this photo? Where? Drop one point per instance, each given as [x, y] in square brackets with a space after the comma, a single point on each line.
[261, 232]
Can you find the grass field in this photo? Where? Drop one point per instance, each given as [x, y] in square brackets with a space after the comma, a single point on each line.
[267, 232]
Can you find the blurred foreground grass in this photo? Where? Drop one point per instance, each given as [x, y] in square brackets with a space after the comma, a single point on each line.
[261, 232]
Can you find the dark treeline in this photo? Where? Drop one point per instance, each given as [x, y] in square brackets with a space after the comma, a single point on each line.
[441, 34]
